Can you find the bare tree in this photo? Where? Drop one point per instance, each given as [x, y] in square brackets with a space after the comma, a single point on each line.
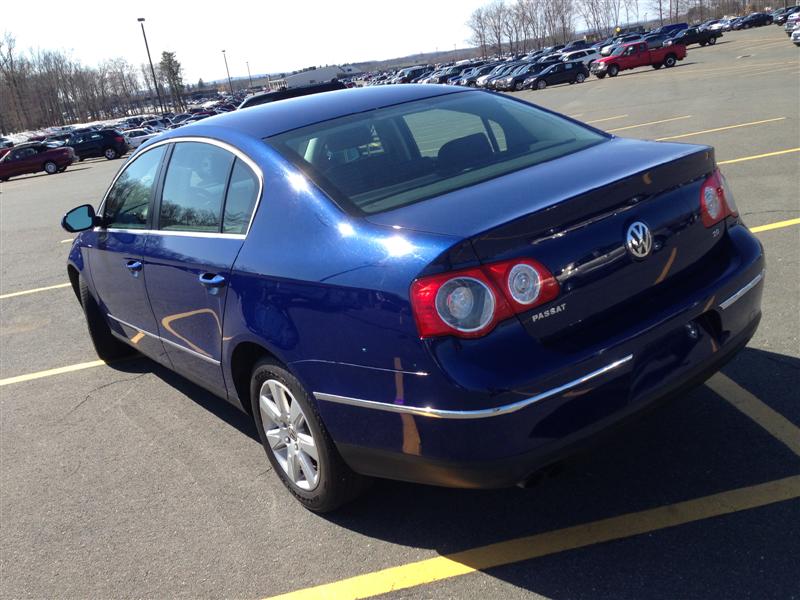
[479, 27]
[496, 14]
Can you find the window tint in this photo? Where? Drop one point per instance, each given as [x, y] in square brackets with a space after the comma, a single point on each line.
[194, 187]
[428, 147]
[242, 193]
[128, 201]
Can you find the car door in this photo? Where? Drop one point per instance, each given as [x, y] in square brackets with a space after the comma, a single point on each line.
[115, 259]
[208, 195]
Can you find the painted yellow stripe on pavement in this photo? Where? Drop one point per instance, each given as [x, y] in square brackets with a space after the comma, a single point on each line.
[607, 119]
[67, 241]
[778, 225]
[649, 123]
[775, 423]
[33, 291]
[51, 372]
[683, 135]
[767, 155]
[544, 544]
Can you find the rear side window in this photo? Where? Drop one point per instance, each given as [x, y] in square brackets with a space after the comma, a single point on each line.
[391, 157]
[128, 201]
[194, 187]
[240, 200]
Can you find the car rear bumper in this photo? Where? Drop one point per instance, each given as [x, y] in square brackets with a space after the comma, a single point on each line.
[519, 431]
[516, 469]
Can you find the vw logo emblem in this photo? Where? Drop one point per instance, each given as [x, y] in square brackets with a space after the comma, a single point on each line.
[639, 240]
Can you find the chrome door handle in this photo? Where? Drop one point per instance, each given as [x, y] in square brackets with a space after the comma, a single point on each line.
[134, 266]
[212, 280]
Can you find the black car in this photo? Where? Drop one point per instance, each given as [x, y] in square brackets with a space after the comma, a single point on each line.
[780, 17]
[306, 90]
[695, 35]
[656, 40]
[559, 73]
[756, 20]
[105, 142]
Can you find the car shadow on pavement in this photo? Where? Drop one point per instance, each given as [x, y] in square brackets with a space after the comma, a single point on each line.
[693, 446]
[203, 398]
[43, 174]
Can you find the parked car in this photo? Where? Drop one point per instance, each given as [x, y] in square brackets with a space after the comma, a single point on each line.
[307, 90]
[694, 35]
[6, 143]
[796, 36]
[791, 23]
[783, 15]
[571, 72]
[33, 158]
[136, 137]
[671, 28]
[619, 41]
[756, 19]
[656, 40]
[516, 79]
[157, 124]
[109, 143]
[587, 56]
[637, 54]
[380, 321]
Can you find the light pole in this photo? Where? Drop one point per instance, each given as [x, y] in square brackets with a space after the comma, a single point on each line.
[152, 69]
[230, 85]
[249, 77]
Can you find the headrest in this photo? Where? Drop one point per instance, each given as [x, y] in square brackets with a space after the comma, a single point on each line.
[351, 137]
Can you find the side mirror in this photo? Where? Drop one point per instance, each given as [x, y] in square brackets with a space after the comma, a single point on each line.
[80, 218]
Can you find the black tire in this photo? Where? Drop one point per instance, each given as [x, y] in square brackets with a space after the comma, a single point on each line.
[580, 78]
[110, 153]
[108, 347]
[50, 167]
[670, 61]
[337, 484]
[613, 71]
[518, 86]
[703, 43]
[657, 66]
[541, 84]
[600, 75]
[4, 178]
[712, 41]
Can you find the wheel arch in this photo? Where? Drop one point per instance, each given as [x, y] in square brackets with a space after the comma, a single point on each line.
[244, 357]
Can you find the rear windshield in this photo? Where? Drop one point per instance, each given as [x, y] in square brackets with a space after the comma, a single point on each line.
[392, 157]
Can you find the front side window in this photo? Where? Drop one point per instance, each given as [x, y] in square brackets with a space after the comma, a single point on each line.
[194, 187]
[128, 200]
[427, 148]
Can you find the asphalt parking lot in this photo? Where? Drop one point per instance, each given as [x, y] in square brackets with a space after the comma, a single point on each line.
[126, 480]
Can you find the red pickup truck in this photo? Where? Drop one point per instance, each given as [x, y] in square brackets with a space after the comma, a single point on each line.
[637, 54]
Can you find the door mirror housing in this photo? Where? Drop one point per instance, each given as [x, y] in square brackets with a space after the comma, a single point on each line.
[80, 218]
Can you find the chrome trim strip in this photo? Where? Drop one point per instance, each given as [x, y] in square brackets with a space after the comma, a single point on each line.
[203, 140]
[171, 343]
[346, 364]
[496, 411]
[195, 234]
[755, 281]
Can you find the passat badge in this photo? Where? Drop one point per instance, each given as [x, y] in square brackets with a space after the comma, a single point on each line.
[639, 240]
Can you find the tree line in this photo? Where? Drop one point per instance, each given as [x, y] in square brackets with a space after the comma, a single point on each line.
[44, 88]
[517, 26]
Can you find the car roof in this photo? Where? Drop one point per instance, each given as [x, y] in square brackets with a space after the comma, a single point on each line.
[270, 119]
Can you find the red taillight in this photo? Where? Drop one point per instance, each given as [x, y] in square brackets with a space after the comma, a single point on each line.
[716, 201]
[119, 139]
[471, 302]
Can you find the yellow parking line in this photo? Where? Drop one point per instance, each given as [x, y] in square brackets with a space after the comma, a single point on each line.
[35, 290]
[607, 119]
[552, 542]
[683, 135]
[775, 423]
[768, 154]
[778, 225]
[649, 123]
[67, 241]
[50, 372]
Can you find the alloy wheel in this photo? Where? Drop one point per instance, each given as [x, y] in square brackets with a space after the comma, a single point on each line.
[290, 439]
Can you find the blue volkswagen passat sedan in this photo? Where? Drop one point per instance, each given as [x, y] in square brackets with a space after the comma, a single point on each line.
[426, 283]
